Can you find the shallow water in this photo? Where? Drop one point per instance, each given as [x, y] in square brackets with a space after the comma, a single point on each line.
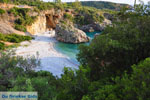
[71, 50]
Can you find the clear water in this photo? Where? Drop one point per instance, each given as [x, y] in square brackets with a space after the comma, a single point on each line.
[71, 50]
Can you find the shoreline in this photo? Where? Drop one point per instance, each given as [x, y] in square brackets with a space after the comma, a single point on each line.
[51, 60]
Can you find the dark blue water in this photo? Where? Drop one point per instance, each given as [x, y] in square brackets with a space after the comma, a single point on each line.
[71, 50]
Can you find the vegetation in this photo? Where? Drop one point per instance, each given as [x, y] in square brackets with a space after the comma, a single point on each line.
[88, 15]
[20, 27]
[2, 46]
[24, 19]
[115, 66]
[103, 5]
[68, 17]
[14, 38]
[2, 11]
[84, 16]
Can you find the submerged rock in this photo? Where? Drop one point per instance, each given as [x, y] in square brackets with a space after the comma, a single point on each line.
[70, 34]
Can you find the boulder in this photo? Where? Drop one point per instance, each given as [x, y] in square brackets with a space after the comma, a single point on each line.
[95, 26]
[70, 34]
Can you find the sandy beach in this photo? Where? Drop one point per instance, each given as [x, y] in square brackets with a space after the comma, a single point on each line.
[51, 60]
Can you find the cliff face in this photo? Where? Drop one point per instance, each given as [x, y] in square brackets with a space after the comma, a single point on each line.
[69, 34]
[46, 21]
[39, 26]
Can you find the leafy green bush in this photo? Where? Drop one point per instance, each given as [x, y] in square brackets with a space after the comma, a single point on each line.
[118, 45]
[87, 16]
[68, 16]
[17, 38]
[14, 38]
[2, 37]
[24, 19]
[129, 87]
[20, 28]
[2, 46]
[19, 11]
[2, 11]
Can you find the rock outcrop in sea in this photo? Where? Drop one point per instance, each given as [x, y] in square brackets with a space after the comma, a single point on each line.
[70, 34]
[95, 26]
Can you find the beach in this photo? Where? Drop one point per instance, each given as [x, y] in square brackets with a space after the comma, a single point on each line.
[51, 60]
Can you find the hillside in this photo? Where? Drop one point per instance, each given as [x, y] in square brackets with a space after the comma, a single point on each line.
[104, 5]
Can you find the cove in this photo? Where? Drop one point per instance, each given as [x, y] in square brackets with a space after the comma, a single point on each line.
[71, 50]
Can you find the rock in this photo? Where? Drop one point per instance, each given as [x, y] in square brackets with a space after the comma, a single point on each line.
[39, 26]
[6, 28]
[96, 35]
[108, 16]
[46, 21]
[70, 34]
[95, 26]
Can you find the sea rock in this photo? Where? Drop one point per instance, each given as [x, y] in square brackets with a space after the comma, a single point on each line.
[95, 26]
[70, 34]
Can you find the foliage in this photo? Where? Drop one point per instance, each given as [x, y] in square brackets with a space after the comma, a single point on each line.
[129, 87]
[20, 28]
[115, 66]
[15, 77]
[2, 46]
[88, 15]
[103, 5]
[4, 1]
[14, 38]
[24, 19]
[119, 45]
[2, 11]
[68, 16]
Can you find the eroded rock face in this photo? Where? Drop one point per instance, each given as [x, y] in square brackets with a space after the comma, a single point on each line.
[70, 34]
[5, 28]
[46, 21]
[39, 26]
[95, 26]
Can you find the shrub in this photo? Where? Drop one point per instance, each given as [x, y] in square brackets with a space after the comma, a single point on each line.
[68, 16]
[18, 11]
[20, 28]
[14, 38]
[17, 38]
[2, 45]
[2, 11]
[2, 37]
[23, 20]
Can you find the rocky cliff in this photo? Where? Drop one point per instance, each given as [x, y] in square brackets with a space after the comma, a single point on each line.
[70, 34]
[45, 21]
[95, 26]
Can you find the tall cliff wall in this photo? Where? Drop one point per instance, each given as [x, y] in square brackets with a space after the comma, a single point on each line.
[45, 21]
[39, 26]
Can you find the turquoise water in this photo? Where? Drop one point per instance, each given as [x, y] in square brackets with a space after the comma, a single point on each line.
[71, 50]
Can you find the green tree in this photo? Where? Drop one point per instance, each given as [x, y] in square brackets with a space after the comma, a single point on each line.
[129, 87]
[122, 44]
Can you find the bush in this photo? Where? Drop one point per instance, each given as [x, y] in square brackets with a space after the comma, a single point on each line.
[24, 19]
[2, 11]
[129, 87]
[14, 38]
[2, 46]
[19, 11]
[20, 28]
[123, 44]
[17, 38]
[68, 16]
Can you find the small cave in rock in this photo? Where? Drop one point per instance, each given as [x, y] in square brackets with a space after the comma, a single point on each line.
[51, 21]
